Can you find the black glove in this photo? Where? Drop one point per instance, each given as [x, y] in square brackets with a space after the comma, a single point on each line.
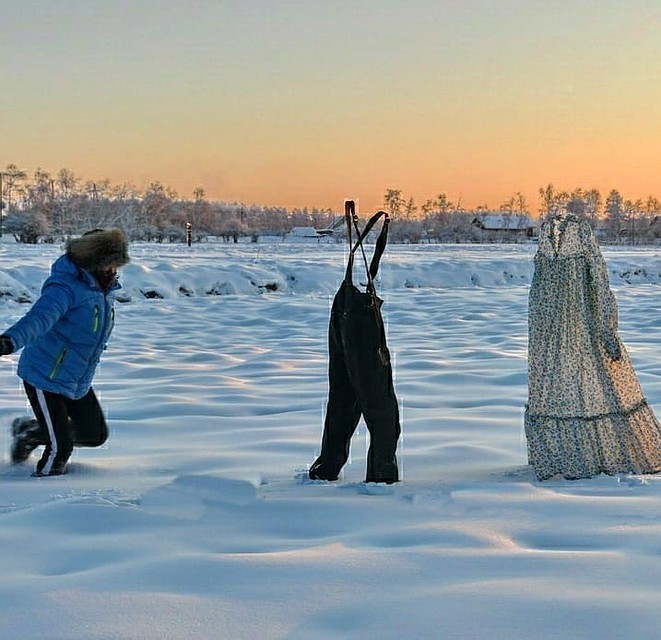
[6, 346]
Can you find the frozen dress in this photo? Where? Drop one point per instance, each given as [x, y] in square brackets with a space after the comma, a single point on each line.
[586, 412]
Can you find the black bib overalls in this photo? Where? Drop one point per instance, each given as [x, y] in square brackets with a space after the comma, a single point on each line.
[359, 371]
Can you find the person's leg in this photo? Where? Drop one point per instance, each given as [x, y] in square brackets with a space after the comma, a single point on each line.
[88, 423]
[51, 412]
[27, 435]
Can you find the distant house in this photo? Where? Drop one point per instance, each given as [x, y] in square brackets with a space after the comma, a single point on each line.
[334, 229]
[307, 234]
[303, 232]
[504, 226]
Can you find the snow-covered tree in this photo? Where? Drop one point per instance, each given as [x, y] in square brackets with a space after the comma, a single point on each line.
[12, 179]
[614, 214]
[394, 202]
[27, 226]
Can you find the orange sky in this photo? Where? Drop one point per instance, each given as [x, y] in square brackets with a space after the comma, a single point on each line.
[298, 103]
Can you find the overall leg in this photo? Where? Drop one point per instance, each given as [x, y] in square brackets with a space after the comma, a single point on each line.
[88, 423]
[51, 412]
[381, 414]
[342, 412]
[371, 374]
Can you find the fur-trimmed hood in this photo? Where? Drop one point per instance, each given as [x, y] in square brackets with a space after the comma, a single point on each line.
[99, 249]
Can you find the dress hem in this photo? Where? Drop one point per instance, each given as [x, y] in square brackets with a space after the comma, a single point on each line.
[583, 447]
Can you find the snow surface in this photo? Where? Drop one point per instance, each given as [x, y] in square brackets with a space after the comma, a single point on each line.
[196, 520]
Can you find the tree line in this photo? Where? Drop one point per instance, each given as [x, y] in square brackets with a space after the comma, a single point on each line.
[615, 218]
[49, 207]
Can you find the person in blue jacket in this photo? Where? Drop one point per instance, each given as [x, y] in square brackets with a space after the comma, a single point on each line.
[63, 336]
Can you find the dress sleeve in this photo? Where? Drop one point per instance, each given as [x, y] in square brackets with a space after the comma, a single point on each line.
[603, 301]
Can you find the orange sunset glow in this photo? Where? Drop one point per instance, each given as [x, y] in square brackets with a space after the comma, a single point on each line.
[303, 104]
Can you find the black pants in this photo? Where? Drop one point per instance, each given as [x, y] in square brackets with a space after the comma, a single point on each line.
[66, 423]
[360, 383]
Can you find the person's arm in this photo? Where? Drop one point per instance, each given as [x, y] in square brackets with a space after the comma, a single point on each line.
[45, 312]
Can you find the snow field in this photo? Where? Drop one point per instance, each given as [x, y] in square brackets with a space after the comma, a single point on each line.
[196, 520]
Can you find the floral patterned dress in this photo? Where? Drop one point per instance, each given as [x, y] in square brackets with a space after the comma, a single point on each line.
[586, 411]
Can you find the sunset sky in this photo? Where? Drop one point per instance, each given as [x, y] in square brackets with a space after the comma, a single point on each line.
[308, 102]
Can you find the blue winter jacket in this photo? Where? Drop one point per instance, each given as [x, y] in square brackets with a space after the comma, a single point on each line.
[65, 331]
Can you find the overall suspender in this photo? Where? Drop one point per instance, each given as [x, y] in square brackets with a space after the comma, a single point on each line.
[351, 219]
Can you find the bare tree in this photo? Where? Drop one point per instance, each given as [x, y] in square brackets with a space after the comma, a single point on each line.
[394, 202]
[11, 183]
[409, 209]
[614, 212]
[40, 191]
[592, 205]
[552, 199]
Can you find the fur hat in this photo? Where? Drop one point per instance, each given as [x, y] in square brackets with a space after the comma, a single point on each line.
[99, 249]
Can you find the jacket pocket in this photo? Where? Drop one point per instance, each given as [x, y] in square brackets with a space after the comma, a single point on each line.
[95, 319]
[58, 363]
